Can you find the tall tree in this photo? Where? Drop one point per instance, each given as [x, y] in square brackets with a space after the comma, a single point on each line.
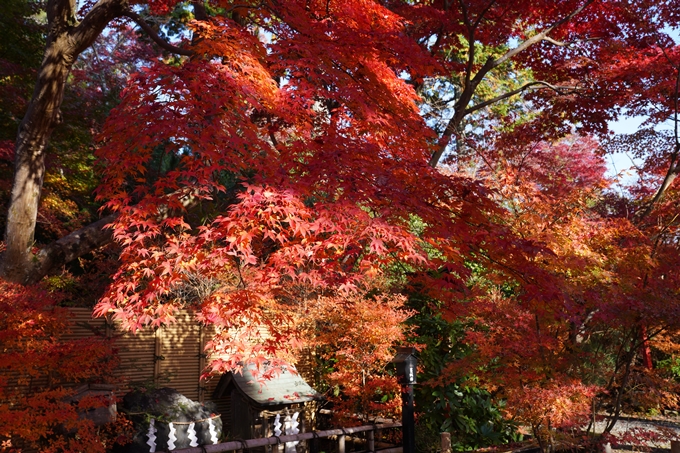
[564, 57]
[562, 45]
[278, 152]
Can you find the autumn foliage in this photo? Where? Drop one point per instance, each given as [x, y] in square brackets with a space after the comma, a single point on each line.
[353, 336]
[38, 371]
[277, 159]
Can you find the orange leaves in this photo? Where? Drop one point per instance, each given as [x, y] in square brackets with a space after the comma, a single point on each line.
[270, 239]
[544, 334]
[250, 269]
[361, 328]
[242, 57]
[35, 360]
[356, 333]
[295, 128]
[558, 404]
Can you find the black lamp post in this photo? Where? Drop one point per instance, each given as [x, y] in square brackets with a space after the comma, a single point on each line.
[406, 362]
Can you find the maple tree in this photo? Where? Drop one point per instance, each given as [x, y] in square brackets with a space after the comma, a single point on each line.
[279, 152]
[436, 40]
[561, 342]
[353, 338]
[37, 365]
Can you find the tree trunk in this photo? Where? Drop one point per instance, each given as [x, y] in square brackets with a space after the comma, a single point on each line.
[65, 41]
[29, 164]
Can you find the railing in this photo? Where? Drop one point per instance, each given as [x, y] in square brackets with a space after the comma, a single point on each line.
[235, 445]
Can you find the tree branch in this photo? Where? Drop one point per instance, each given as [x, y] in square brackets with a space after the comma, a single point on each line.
[557, 43]
[60, 14]
[453, 123]
[671, 174]
[471, 42]
[154, 36]
[92, 237]
[568, 44]
[95, 21]
[674, 167]
[536, 38]
[542, 85]
[199, 10]
[70, 247]
[471, 83]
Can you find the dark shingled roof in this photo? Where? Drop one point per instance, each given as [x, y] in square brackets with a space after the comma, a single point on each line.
[287, 388]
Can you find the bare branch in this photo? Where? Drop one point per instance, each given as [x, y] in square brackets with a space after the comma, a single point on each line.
[557, 43]
[70, 247]
[154, 36]
[91, 237]
[471, 36]
[570, 44]
[536, 38]
[671, 174]
[539, 84]
[60, 14]
[95, 21]
[471, 42]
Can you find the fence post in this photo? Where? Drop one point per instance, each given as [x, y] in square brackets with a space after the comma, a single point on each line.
[675, 446]
[371, 441]
[341, 443]
[446, 442]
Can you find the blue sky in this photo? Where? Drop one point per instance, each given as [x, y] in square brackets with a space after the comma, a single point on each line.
[620, 162]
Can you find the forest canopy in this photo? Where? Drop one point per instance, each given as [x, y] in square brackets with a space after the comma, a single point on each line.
[271, 163]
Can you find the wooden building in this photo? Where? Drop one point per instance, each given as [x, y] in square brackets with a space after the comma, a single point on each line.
[257, 407]
[174, 356]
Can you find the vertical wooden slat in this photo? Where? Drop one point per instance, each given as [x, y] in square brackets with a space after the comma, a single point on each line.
[83, 325]
[341, 443]
[136, 355]
[157, 355]
[181, 349]
[201, 363]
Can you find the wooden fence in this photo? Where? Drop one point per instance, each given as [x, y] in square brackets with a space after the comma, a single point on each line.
[341, 433]
[171, 355]
[174, 356]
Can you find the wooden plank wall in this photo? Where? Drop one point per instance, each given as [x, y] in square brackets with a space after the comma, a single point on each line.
[170, 356]
[181, 350]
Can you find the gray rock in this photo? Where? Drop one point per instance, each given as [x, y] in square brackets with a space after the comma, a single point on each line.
[166, 406]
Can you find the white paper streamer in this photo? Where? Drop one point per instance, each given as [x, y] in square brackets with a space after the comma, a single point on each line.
[152, 436]
[191, 434]
[277, 425]
[291, 427]
[172, 437]
[213, 433]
